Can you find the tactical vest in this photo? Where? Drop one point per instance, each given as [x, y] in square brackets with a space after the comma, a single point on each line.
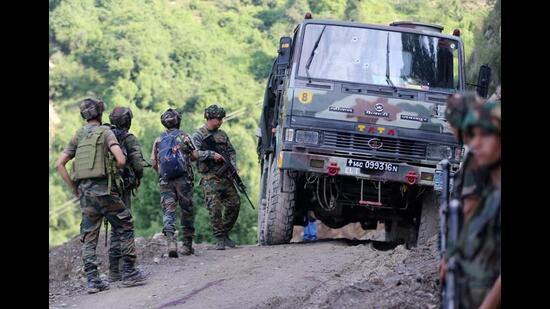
[217, 142]
[92, 159]
[129, 178]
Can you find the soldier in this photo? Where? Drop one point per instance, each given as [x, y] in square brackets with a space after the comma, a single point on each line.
[220, 194]
[172, 154]
[94, 183]
[478, 250]
[121, 119]
[470, 179]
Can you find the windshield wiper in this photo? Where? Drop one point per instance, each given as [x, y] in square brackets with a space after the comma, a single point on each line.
[388, 79]
[310, 59]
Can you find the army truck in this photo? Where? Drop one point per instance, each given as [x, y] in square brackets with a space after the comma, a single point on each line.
[353, 126]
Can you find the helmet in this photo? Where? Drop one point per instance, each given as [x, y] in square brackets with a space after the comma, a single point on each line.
[486, 116]
[121, 117]
[170, 119]
[458, 105]
[214, 111]
[91, 108]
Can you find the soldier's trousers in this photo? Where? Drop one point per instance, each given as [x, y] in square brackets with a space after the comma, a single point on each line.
[94, 209]
[173, 192]
[114, 246]
[223, 203]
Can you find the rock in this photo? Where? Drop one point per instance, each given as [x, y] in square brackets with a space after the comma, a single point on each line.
[140, 241]
[159, 238]
[156, 260]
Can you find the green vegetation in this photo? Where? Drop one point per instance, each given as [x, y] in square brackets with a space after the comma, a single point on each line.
[188, 54]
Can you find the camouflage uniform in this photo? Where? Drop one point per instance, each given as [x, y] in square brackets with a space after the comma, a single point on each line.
[469, 182]
[177, 191]
[131, 174]
[470, 178]
[136, 163]
[478, 250]
[220, 195]
[97, 202]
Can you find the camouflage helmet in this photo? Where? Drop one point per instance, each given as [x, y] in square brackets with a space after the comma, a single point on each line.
[458, 105]
[170, 118]
[487, 116]
[214, 111]
[121, 117]
[91, 108]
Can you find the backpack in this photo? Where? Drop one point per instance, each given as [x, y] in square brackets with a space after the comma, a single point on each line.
[172, 163]
[129, 178]
[91, 156]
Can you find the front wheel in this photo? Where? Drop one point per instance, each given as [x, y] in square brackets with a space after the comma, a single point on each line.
[279, 209]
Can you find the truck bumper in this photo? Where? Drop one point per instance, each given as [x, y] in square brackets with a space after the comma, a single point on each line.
[342, 166]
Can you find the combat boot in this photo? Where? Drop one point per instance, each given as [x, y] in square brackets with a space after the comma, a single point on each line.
[130, 275]
[188, 246]
[95, 284]
[172, 245]
[220, 243]
[133, 278]
[114, 269]
[230, 243]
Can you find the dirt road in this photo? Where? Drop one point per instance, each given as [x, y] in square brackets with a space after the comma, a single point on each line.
[322, 274]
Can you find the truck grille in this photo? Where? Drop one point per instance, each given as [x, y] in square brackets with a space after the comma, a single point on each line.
[359, 142]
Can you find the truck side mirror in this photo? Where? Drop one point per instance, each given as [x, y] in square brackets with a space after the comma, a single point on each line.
[284, 50]
[483, 80]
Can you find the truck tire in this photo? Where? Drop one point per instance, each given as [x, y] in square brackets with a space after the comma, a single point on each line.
[429, 218]
[261, 222]
[400, 232]
[263, 204]
[412, 234]
[279, 213]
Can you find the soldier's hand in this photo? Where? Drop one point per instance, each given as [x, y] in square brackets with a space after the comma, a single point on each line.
[76, 193]
[218, 157]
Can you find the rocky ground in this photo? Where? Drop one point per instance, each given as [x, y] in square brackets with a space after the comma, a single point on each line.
[335, 273]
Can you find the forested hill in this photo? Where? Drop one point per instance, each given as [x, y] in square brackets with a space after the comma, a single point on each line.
[188, 54]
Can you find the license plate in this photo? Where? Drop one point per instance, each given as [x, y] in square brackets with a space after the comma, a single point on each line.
[373, 165]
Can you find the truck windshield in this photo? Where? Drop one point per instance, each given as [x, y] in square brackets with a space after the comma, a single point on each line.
[361, 55]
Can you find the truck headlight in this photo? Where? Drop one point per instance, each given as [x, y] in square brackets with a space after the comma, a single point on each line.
[439, 152]
[306, 137]
[289, 135]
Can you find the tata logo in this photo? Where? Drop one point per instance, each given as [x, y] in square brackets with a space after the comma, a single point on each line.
[375, 130]
[375, 143]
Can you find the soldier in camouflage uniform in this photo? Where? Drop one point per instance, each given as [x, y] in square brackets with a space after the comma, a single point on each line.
[178, 190]
[470, 179]
[220, 195]
[478, 250]
[121, 119]
[100, 198]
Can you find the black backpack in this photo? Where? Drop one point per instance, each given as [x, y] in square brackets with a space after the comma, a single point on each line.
[128, 175]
